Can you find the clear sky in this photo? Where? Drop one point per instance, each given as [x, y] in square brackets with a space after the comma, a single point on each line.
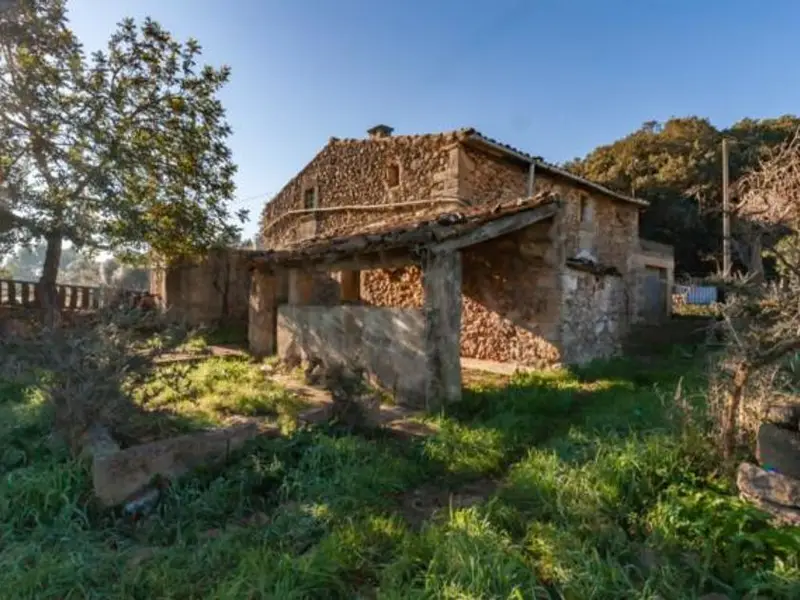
[553, 77]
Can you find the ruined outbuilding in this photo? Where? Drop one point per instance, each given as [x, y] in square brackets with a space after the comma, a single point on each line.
[400, 254]
[208, 291]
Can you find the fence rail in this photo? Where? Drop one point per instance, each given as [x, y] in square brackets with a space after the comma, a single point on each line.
[25, 294]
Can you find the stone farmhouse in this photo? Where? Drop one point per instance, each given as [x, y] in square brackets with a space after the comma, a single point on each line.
[399, 254]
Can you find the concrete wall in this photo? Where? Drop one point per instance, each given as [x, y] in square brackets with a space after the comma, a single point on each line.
[594, 316]
[388, 343]
[214, 290]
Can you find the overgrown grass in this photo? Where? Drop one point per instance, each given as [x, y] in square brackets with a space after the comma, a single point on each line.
[210, 392]
[603, 494]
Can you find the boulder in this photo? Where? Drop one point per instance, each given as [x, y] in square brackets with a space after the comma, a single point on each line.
[779, 450]
[786, 416]
[783, 515]
[119, 477]
[755, 482]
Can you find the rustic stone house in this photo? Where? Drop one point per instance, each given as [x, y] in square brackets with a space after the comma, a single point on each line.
[541, 266]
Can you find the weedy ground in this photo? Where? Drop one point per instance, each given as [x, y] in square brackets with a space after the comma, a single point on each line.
[591, 484]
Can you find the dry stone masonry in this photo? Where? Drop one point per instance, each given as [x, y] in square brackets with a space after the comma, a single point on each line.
[520, 298]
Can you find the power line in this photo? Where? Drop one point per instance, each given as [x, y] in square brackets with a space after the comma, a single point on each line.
[256, 197]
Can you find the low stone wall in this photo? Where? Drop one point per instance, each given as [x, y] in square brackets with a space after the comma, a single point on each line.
[387, 343]
[594, 316]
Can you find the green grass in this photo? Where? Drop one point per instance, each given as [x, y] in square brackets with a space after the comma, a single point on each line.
[208, 393]
[603, 494]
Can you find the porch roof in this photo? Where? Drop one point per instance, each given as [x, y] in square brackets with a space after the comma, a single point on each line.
[403, 243]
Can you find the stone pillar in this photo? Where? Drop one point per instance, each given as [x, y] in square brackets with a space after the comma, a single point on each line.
[351, 286]
[301, 287]
[262, 320]
[441, 281]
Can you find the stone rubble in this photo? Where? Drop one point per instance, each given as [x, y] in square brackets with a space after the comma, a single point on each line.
[774, 486]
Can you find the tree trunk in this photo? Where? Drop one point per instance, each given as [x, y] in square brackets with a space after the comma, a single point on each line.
[733, 401]
[47, 282]
[756, 266]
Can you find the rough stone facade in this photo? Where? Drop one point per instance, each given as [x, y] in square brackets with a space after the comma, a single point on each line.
[514, 306]
[510, 297]
[350, 173]
[593, 316]
[211, 291]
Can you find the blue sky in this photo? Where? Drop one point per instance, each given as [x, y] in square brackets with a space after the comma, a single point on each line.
[555, 78]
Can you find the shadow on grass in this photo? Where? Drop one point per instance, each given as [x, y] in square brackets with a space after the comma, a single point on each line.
[592, 473]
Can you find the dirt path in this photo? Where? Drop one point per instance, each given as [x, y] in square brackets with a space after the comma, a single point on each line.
[398, 419]
[208, 352]
[491, 366]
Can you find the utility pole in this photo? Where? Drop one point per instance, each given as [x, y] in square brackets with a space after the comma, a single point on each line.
[726, 214]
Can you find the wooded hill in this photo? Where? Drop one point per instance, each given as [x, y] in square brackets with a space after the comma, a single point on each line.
[677, 166]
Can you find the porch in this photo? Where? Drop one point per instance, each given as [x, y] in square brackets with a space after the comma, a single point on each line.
[413, 353]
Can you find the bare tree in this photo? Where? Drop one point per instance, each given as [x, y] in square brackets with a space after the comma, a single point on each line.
[762, 319]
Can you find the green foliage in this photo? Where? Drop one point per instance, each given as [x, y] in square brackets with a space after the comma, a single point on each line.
[210, 392]
[602, 495]
[126, 149]
[677, 166]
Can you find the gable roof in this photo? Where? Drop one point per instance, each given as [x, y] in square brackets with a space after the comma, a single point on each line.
[479, 139]
[476, 139]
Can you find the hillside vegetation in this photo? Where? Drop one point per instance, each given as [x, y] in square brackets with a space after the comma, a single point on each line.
[677, 167]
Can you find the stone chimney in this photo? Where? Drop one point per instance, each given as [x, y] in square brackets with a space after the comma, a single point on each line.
[379, 131]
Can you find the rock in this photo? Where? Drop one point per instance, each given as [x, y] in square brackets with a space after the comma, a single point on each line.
[97, 442]
[316, 416]
[120, 476]
[779, 450]
[786, 416]
[783, 515]
[774, 487]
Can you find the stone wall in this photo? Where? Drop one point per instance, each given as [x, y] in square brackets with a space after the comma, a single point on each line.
[357, 173]
[594, 316]
[388, 343]
[485, 179]
[212, 291]
[512, 304]
[611, 232]
[510, 296]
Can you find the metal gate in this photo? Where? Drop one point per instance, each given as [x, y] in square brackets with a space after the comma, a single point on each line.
[654, 294]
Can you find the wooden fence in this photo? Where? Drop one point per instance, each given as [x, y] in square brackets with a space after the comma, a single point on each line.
[25, 294]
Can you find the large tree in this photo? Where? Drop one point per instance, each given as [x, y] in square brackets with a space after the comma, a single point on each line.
[124, 150]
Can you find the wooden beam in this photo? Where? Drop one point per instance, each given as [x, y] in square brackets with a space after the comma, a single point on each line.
[497, 228]
[350, 286]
